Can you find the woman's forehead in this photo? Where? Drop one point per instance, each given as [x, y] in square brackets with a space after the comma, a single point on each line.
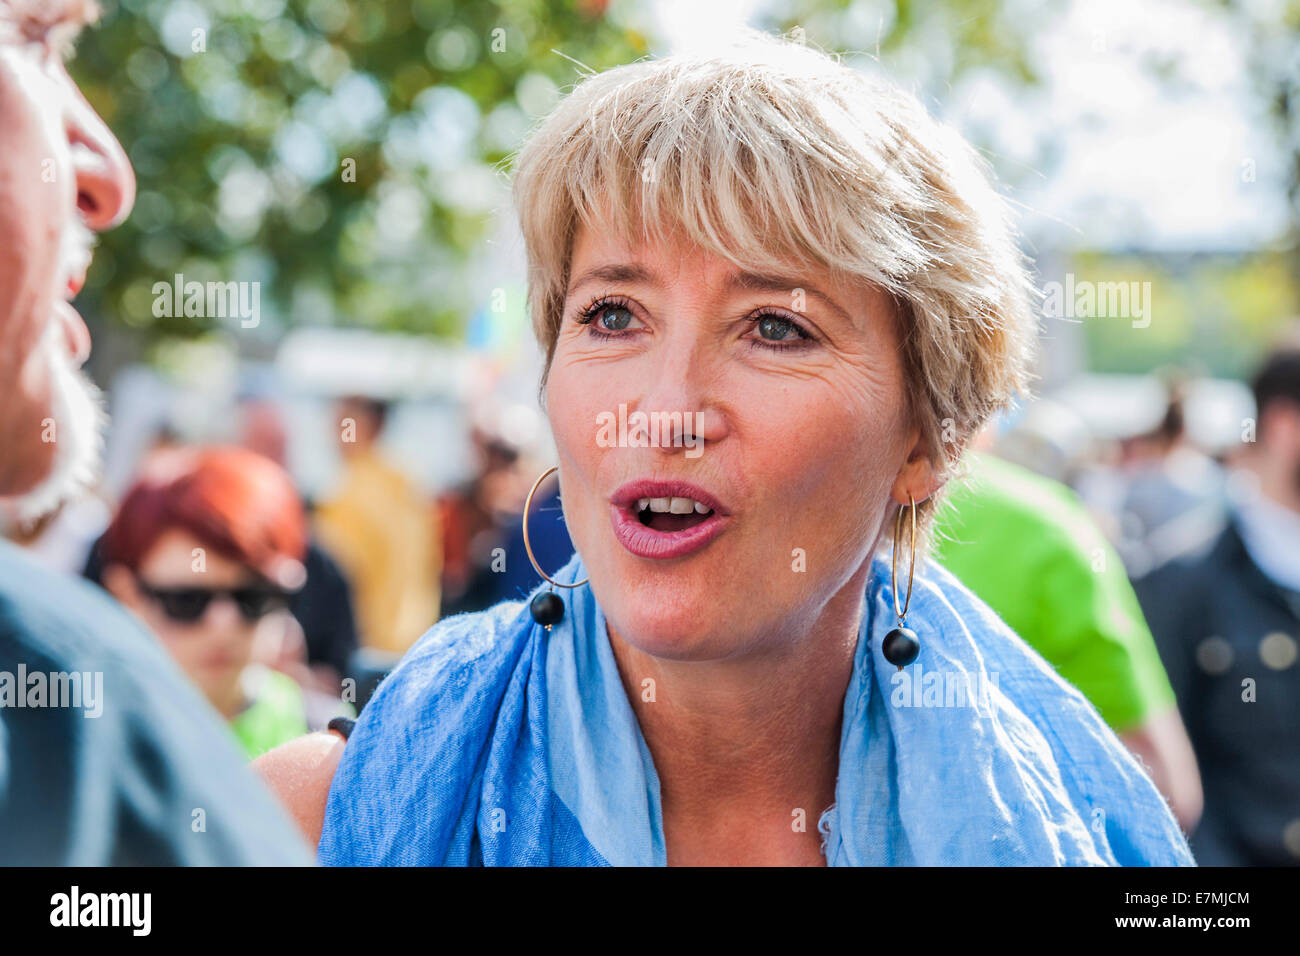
[605, 253]
[604, 256]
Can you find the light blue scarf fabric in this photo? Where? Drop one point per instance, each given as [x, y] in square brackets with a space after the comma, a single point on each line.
[496, 743]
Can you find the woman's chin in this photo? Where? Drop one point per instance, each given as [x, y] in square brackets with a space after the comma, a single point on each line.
[676, 610]
[676, 629]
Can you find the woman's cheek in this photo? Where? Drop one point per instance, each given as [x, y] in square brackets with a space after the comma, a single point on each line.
[579, 392]
[836, 458]
[570, 399]
[573, 400]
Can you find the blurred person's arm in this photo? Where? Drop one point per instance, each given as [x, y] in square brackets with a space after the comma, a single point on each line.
[299, 773]
[437, 555]
[280, 644]
[1161, 743]
[455, 547]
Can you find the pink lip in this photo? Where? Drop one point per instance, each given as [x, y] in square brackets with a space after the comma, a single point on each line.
[646, 542]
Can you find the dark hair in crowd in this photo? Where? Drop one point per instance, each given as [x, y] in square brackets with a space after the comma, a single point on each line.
[1277, 379]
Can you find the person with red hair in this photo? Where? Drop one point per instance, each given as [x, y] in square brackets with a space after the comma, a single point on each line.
[207, 548]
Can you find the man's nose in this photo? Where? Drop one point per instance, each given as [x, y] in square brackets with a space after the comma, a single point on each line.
[105, 180]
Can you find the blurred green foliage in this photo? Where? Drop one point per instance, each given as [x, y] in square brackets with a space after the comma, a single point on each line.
[246, 120]
[1273, 32]
[1214, 313]
[953, 37]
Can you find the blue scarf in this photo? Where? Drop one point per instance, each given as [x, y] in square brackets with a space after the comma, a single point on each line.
[496, 743]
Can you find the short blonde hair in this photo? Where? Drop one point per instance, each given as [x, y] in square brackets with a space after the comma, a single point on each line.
[772, 153]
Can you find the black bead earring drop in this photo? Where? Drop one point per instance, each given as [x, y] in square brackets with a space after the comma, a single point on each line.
[901, 645]
[547, 608]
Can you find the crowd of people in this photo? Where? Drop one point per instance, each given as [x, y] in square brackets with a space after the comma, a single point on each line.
[286, 612]
[229, 616]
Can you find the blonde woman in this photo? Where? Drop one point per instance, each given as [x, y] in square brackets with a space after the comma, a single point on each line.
[814, 284]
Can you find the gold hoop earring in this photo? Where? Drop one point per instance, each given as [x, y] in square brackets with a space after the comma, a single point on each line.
[901, 645]
[547, 608]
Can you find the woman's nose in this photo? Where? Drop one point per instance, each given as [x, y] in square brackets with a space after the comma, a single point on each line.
[105, 180]
[687, 385]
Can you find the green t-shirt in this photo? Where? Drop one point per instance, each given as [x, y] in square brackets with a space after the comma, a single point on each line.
[1027, 547]
[276, 715]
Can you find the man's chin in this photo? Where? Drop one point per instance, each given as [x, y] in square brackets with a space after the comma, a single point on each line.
[77, 435]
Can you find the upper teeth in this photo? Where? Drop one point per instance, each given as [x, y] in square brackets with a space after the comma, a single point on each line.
[676, 506]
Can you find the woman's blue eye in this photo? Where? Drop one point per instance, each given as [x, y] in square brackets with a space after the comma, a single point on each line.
[774, 328]
[615, 318]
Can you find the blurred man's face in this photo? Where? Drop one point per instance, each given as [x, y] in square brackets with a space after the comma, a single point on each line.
[1280, 439]
[62, 174]
[358, 426]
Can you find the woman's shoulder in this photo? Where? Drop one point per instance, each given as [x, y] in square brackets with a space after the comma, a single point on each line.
[972, 636]
[300, 773]
[442, 690]
[1046, 721]
[426, 730]
[453, 673]
[474, 644]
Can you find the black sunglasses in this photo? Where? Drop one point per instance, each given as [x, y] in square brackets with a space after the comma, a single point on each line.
[190, 604]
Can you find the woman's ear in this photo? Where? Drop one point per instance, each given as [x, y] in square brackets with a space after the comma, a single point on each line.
[120, 583]
[918, 476]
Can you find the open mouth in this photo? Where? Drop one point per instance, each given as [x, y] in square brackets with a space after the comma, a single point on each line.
[666, 518]
[671, 514]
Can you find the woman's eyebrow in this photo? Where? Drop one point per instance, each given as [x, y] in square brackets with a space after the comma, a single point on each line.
[631, 272]
[754, 282]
